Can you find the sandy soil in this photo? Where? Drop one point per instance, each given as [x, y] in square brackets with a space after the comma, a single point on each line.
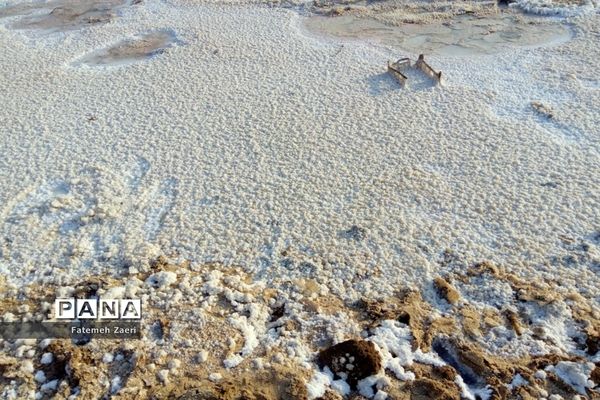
[182, 352]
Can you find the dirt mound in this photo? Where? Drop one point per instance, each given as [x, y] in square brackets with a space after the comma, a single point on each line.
[356, 358]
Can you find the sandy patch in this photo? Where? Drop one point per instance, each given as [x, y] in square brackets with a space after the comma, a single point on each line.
[213, 332]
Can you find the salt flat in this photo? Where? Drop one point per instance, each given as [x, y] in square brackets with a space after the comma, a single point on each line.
[255, 142]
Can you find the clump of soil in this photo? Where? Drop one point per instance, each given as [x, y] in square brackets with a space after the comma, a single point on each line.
[356, 358]
[513, 320]
[595, 376]
[425, 389]
[433, 382]
[74, 367]
[446, 290]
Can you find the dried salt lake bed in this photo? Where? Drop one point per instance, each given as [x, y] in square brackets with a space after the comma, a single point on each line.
[254, 175]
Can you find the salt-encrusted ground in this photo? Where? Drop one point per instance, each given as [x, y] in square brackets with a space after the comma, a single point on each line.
[292, 186]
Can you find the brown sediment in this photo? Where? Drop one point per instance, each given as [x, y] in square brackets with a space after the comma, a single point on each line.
[426, 389]
[476, 321]
[277, 383]
[356, 396]
[556, 386]
[378, 310]
[595, 376]
[498, 371]
[482, 364]
[331, 395]
[491, 317]
[143, 362]
[9, 369]
[409, 308]
[544, 293]
[80, 368]
[540, 362]
[433, 382]
[513, 320]
[471, 321]
[75, 365]
[324, 304]
[318, 302]
[446, 290]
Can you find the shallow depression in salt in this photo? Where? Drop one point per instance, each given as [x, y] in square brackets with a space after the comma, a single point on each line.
[464, 35]
[138, 48]
[63, 15]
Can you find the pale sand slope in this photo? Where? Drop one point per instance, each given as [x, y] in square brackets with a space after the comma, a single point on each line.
[255, 143]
